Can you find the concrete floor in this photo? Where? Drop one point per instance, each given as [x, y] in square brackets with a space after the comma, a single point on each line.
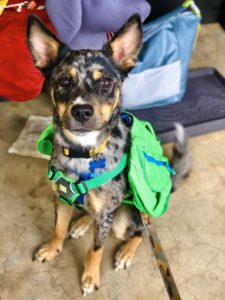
[192, 231]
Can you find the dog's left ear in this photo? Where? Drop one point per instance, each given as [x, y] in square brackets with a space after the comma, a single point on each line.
[42, 43]
[126, 43]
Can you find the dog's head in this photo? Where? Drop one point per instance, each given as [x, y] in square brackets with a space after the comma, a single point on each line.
[85, 85]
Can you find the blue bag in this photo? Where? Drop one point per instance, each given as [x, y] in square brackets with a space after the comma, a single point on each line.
[160, 75]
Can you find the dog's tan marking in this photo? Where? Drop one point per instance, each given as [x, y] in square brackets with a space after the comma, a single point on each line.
[55, 190]
[126, 253]
[117, 98]
[80, 226]
[91, 275]
[97, 74]
[107, 108]
[95, 203]
[51, 249]
[54, 187]
[98, 107]
[73, 72]
[69, 134]
[61, 108]
[52, 96]
[121, 222]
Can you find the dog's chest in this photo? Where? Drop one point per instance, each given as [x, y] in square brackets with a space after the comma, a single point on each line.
[82, 169]
[112, 153]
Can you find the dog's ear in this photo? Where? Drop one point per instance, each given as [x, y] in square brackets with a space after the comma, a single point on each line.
[42, 43]
[126, 43]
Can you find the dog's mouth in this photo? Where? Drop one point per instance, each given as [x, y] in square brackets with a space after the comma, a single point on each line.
[82, 130]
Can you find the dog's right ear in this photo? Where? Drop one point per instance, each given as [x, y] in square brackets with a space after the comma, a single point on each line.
[42, 43]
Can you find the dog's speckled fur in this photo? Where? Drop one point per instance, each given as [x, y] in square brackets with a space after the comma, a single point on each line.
[91, 79]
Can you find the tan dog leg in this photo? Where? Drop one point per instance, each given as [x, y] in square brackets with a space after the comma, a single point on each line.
[126, 253]
[91, 276]
[49, 250]
[80, 226]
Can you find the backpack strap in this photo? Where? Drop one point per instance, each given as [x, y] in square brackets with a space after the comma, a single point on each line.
[71, 189]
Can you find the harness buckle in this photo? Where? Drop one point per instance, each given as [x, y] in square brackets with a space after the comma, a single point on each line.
[51, 172]
[82, 187]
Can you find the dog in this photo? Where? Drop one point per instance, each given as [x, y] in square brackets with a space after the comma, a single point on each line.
[85, 90]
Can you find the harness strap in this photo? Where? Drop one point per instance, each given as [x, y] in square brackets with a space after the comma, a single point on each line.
[70, 189]
[103, 178]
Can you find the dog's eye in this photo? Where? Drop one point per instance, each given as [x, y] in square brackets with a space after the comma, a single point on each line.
[105, 83]
[64, 81]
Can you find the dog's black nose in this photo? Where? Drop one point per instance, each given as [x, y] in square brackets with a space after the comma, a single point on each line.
[82, 113]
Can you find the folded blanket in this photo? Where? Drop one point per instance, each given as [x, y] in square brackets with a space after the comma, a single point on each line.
[26, 144]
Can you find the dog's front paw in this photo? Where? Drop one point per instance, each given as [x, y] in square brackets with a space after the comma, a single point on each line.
[90, 281]
[48, 251]
[91, 276]
[123, 258]
[80, 226]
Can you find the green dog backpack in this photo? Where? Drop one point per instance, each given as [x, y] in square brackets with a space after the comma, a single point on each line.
[148, 171]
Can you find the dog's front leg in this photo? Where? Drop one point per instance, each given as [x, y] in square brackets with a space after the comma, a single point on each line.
[91, 275]
[49, 250]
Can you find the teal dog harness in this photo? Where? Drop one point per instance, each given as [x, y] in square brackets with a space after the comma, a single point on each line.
[148, 171]
[70, 189]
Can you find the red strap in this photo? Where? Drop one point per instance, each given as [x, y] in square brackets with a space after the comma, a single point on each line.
[109, 35]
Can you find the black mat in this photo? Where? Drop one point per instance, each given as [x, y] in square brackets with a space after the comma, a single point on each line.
[202, 109]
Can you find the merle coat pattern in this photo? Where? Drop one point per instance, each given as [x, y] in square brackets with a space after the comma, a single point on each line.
[85, 90]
